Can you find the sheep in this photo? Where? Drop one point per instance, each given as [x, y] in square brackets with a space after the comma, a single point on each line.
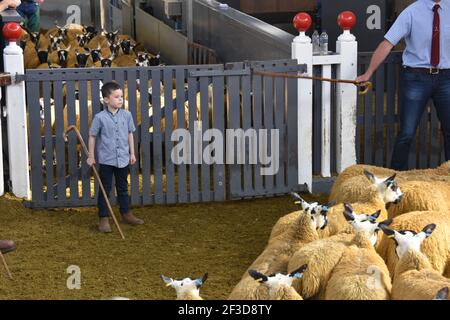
[360, 274]
[60, 56]
[317, 211]
[384, 191]
[437, 248]
[279, 285]
[79, 58]
[186, 289]
[128, 46]
[55, 41]
[442, 294]
[440, 173]
[322, 256]
[414, 276]
[31, 58]
[125, 60]
[276, 255]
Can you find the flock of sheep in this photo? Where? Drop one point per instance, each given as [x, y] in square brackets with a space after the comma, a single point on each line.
[336, 252]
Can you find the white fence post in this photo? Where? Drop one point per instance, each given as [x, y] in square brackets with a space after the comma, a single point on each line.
[303, 52]
[2, 182]
[346, 94]
[16, 114]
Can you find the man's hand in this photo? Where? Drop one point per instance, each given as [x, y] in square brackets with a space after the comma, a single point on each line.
[12, 3]
[90, 161]
[40, 1]
[132, 159]
[363, 78]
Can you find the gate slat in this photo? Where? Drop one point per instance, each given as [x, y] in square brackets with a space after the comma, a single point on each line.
[423, 134]
[193, 167]
[168, 118]
[368, 128]
[72, 145]
[96, 108]
[279, 125]
[246, 125]
[435, 139]
[36, 140]
[379, 114]
[181, 124]
[204, 116]
[136, 199]
[60, 145]
[219, 124]
[292, 169]
[85, 121]
[157, 136]
[258, 124]
[268, 124]
[234, 123]
[48, 140]
[146, 154]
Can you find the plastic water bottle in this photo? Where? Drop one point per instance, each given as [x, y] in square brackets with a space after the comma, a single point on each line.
[316, 42]
[323, 43]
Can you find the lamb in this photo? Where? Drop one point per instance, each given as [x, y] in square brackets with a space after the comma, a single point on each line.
[322, 256]
[360, 274]
[440, 173]
[276, 255]
[279, 285]
[186, 289]
[436, 249]
[414, 276]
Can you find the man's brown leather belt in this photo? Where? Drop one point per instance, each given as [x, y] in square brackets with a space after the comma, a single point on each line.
[428, 70]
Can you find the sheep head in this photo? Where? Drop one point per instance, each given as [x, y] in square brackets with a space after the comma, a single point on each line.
[406, 240]
[114, 47]
[55, 41]
[317, 212]
[110, 36]
[82, 57]
[155, 61]
[185, 286]
[386, 187]
[82, 39]
[63, 55]
[366, 223]
[34, 37]
[96, 54]
[276, 280]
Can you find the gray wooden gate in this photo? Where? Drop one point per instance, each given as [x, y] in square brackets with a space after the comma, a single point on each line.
[173, 97]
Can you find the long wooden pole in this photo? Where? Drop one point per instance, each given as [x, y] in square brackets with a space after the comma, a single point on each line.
[6, 265]
[85, 149]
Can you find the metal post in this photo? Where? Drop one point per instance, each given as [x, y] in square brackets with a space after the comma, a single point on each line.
[347, 47]
[16, 114]
[189, 20]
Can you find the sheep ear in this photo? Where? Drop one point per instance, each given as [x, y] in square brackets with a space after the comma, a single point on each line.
[348, 212]
[385, 222]
[68, 48]
[390, 179]
[374, 217]
[442, 294]
[387, 231]
[257, 276]
[168, 281]
[299, 199]
[369, 175]
[116, 32]
[428, 230]
[200, 281]
[297, 274]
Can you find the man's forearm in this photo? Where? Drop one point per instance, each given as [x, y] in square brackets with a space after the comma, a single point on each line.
[382, 51]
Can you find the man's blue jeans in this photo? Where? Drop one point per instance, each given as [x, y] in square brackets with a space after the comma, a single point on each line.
[418, 88]
[106, 174]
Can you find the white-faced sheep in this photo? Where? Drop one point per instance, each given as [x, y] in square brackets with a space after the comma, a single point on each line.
[322, 256]
[436, 248]
[414, 276]
[278, 286]
[442, 294]
[276, 256]
[186, 289]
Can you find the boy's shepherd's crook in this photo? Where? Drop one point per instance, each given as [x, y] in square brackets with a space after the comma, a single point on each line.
[6, 265]
[83, 145]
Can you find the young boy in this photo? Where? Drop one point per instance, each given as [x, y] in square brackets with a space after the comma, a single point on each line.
[112, 132]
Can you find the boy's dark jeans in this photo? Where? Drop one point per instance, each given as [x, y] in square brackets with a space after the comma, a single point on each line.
[418, 88]
[106, 174]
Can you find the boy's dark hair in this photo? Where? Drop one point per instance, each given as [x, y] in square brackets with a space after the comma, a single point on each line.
[109, 87]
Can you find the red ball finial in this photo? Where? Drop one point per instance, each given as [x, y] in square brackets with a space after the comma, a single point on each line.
[302, 21]
[12, 31]
[346, 20]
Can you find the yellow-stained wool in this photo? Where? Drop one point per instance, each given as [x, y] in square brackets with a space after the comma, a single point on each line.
[361, 274]
[321, 256]
[436, 248]
[275, 257]
[415, 278]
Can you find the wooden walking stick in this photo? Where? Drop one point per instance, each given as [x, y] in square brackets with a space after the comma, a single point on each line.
[83, 145]
[6, 265]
